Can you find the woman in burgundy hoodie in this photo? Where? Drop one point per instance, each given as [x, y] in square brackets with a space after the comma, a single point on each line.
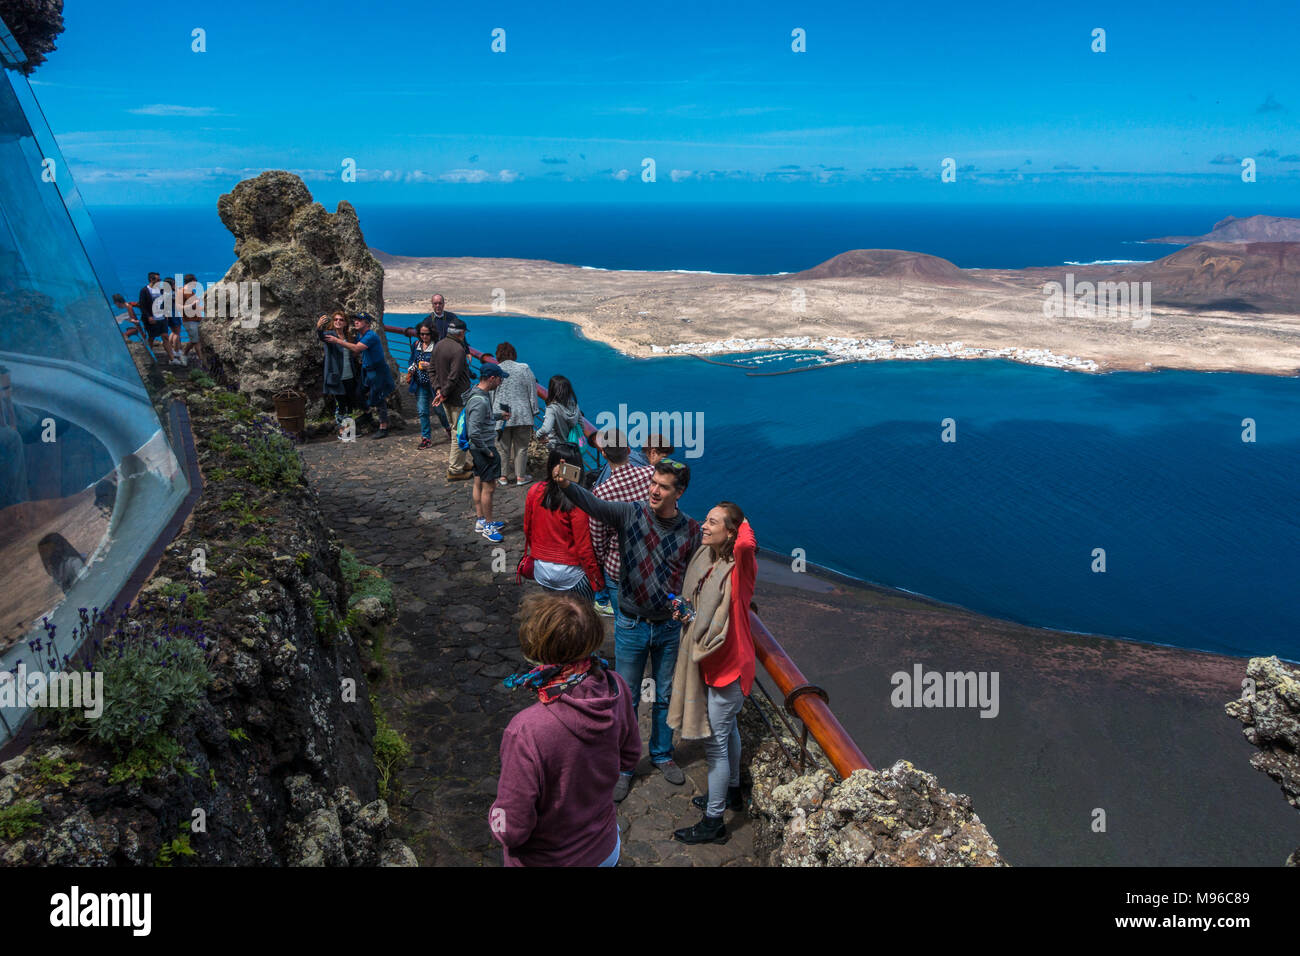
[561, 757]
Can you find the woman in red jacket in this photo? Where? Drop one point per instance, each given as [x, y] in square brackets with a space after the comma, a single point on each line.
[727, 552]
[558, 534]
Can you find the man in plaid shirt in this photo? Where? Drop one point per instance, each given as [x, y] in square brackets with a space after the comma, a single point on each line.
[656, 541]
[626, 482]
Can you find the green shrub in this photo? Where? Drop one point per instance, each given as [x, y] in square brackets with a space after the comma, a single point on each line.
[55, 772]
[153, 758]
[270, 457]
[178, 847]
[202, 379]
[153, 680]
[392, 752]
[18, 818]
[365, 581]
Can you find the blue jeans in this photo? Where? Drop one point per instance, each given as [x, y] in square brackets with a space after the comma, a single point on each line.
[634, 641]
[611, 588]
[423, 401]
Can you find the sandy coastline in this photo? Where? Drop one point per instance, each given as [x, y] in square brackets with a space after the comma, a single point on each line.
[975, 313]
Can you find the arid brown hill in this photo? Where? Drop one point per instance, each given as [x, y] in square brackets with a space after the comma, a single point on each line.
[1221, 276]
[889, 264]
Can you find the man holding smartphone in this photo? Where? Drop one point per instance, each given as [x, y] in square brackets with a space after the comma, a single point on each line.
[656, 542]
[480, 425]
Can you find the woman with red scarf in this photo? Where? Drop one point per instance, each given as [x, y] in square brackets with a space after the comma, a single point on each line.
[561, 757]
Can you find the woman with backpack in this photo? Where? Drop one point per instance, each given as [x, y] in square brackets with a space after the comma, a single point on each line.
[563, 421]
[715, 660]
[558, 535]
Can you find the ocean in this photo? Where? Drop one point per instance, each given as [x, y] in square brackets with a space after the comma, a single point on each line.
[728, 238]
[1051, 471]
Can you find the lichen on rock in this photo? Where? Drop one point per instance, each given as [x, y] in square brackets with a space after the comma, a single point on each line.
[896, 817]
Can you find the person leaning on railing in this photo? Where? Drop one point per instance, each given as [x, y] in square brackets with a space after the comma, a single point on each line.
[561, 757]
[715, 663]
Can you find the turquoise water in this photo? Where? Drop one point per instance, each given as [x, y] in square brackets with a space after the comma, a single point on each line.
[1200, 529]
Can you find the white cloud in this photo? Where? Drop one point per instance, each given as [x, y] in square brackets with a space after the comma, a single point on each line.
[478, 176]
[677, 175]
[169, 109]
[622, 175]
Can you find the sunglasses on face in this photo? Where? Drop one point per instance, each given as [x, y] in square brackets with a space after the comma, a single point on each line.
[425, 335]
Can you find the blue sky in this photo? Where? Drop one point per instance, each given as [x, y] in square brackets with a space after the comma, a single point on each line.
[585, 92]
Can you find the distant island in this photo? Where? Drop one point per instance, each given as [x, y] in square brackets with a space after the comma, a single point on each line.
[1217, 305]
[1249, 229]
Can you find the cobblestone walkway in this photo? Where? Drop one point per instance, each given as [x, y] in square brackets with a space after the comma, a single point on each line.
[455, 640]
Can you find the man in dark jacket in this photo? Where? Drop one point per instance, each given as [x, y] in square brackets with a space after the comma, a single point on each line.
[440, 318]
[451, 380]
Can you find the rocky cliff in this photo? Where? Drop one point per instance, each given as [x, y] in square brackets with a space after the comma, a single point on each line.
[295, 261]
[272, 761]
[1269, 710]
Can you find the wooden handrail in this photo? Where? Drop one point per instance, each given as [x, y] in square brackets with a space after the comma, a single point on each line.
[844, 755]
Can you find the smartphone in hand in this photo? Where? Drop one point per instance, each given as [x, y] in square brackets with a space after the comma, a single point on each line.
[570, 472]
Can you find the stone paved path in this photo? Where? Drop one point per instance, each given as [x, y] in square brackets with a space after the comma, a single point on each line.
[455, 640]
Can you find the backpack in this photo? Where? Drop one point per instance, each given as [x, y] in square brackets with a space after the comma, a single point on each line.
[462, 431]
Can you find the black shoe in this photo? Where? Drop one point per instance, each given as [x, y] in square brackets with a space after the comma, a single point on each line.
[708, 830]
[734, 800]
[382, 433]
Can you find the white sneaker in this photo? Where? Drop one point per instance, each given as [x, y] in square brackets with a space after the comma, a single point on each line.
[524, 480]
[173, 361]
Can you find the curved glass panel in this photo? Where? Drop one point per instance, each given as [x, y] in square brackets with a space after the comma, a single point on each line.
[88, 479]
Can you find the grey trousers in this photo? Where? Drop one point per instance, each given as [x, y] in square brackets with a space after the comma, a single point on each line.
[513, 446]
[722, 749]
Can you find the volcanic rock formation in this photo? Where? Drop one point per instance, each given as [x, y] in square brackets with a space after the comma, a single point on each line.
[1269, 709]
[304, 261]
[896, 817]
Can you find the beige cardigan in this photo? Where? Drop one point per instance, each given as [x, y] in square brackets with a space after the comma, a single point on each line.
[688, 706]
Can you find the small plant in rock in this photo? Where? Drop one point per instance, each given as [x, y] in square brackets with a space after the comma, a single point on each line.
[176, 848]
[392, 752]
[202, 379]
[327, 622]
[55, 772]
[239, 735]
[16, 819]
